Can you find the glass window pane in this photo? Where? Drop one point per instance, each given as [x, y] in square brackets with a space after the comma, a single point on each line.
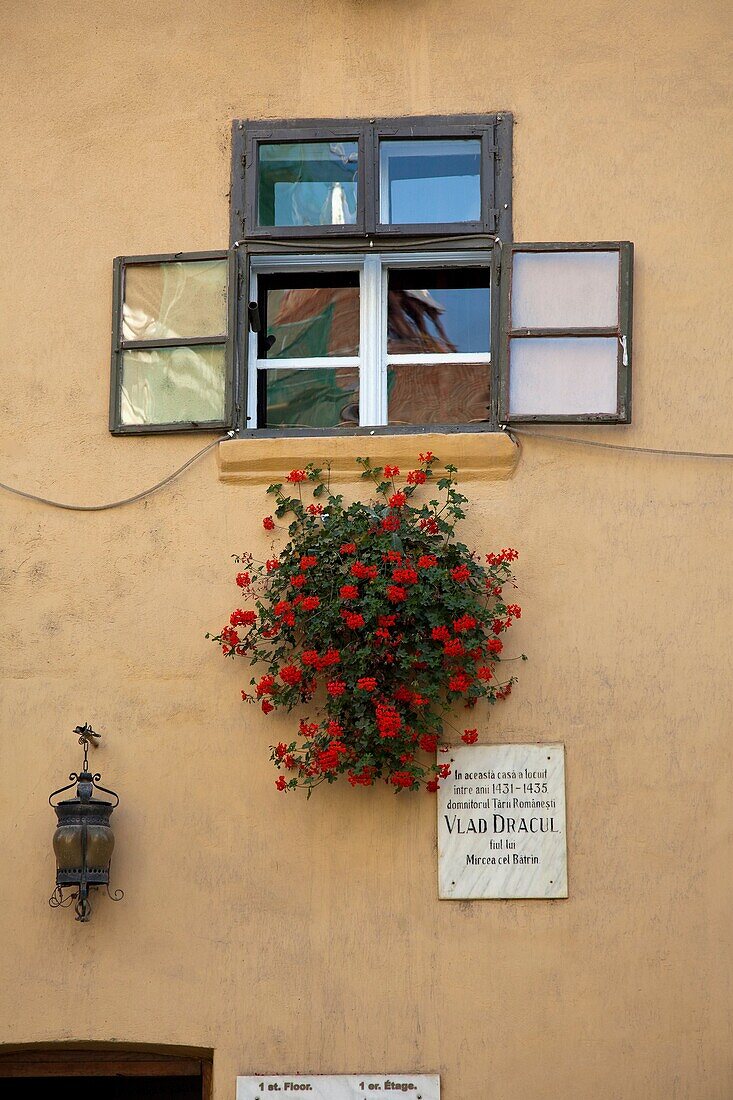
[438, 310]
[563, 375]
[429, 181]
[309, 183]
[172, 385]
[169, 300]
[309, 315]
[318, 398]
[565, 289]
[446, 394]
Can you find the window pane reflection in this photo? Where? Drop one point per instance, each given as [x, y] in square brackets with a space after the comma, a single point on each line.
[430, 181]
[165, 301]
[318, 398]
[173, 385]
[444, 394]
[438, 310]
[309, 183]
[310, 315]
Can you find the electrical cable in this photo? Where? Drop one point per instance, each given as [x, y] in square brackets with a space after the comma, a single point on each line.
[117, 503]
[511, 430]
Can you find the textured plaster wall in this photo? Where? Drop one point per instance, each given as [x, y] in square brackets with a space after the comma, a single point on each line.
[293, 937]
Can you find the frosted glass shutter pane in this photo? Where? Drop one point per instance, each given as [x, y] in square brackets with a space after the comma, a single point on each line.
[173, 385]
[175, 300]
[565, 289]
[563, 376]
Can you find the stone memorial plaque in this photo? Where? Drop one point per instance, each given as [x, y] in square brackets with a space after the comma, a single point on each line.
[501, 823]
[416, 1086]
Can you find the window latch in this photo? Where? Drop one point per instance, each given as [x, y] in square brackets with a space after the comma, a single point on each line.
[255, 321]
[625, 356]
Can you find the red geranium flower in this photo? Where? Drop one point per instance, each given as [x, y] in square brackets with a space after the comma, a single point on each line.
[465, 622]
[460, 682]
[402, 779]
[364, 572]
[243, 618]
[381, 684]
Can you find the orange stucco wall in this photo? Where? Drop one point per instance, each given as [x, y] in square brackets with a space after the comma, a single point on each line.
[308, 937]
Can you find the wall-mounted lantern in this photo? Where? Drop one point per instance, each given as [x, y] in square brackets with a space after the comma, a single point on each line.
[83, 840]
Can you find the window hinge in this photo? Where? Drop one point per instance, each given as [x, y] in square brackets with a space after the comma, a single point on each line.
[496, 262]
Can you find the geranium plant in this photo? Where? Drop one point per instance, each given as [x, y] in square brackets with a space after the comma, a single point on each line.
[376, 618]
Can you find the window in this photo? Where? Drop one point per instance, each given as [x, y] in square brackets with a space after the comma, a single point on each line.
[391, 177]
[372, 283]
[369, 340]
[172, 352]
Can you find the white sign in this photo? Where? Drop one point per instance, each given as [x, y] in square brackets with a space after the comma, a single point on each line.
[501, 823]
[416, 1086]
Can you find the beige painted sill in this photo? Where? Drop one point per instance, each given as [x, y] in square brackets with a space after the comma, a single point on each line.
[478, 456]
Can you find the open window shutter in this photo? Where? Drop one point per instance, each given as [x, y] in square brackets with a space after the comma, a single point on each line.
[173, 343]
[565, 332]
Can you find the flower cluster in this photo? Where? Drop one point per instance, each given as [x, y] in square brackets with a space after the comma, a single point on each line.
[376, 617]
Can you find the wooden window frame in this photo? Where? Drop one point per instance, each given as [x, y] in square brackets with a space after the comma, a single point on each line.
[494, 131]
[622, 331]
[373, 304]
[120, 345]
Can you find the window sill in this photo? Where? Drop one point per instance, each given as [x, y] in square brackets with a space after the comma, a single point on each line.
[480, 456]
